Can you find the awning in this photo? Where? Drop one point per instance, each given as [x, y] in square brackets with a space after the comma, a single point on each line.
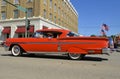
[21, 29]
[31, 29]
[6, 30]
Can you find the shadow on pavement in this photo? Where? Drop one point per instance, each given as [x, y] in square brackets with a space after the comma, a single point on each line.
[59, 57]
[88, 58]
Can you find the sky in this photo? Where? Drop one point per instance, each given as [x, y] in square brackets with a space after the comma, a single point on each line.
[93, 13]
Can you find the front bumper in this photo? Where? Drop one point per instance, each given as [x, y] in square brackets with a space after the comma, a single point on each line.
[118, 49]
[6, 48]
[106, 51]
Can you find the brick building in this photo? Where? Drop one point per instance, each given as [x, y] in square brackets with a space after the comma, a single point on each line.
[42, 14]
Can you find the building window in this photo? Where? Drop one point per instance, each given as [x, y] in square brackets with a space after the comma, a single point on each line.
[29, 0]
[59, 21]
[62, 13]
[63, 3]
[3, 3]
[45, 2]
[16, 14]
[16, 1]
[55, 8]
[54, 19]
[3, 15]
[44, 13]
[50, 3]
[50, 16]
[30, 12]
[59, 2]
[59, 11]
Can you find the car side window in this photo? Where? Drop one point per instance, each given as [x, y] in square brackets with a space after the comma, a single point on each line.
[47, 34]
[52, 34]
[38, 35]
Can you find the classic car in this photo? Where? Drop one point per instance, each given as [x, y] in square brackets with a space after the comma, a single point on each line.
[58, 41]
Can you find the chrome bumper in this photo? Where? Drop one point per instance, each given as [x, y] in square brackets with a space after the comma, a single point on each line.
[118, 49]
[6, 48]
[106, 51]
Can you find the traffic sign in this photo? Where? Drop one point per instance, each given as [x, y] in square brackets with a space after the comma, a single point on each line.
[21, 8]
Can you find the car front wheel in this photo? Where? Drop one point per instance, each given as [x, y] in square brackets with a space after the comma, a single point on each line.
[16, 50]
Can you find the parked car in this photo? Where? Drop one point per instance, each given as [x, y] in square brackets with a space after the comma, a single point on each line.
[58, 41]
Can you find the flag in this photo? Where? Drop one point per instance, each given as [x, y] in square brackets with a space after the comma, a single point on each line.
[103, 32]
[105, 27]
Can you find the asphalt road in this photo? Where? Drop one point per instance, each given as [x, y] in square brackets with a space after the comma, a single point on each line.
[59, 67]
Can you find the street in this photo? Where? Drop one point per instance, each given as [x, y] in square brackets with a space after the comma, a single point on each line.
[59, 67]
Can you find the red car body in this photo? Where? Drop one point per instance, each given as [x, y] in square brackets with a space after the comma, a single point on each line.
[62, 41]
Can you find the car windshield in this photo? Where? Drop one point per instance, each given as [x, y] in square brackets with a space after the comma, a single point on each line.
[71, 34]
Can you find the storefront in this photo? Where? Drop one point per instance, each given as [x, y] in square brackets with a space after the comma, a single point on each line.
[6, 32]
[16, 28]
[21, 31]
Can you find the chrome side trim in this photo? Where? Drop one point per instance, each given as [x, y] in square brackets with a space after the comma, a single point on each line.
[106, 51]
[57, 53]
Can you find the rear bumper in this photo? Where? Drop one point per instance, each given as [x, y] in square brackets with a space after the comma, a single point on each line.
[118, 49]
[106, 51]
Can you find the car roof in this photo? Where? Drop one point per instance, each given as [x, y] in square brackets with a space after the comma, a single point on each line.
[53, 30]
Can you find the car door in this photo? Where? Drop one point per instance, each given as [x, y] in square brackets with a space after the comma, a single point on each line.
[41, 45]
[48, 45]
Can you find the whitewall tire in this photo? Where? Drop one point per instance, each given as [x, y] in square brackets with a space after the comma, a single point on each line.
[16, 50]
[74, 56]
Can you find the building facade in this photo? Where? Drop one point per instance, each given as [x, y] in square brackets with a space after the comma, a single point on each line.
[42, 14]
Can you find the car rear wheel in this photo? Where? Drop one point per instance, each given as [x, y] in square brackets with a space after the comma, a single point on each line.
[74, 56]
[16, 50]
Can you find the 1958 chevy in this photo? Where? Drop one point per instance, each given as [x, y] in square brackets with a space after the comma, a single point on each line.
[57, 41]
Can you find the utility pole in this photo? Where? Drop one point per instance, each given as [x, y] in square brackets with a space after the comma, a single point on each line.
[23, 10]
